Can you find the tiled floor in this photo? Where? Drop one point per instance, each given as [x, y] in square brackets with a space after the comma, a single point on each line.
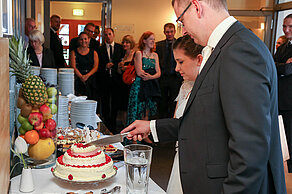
[162, 160]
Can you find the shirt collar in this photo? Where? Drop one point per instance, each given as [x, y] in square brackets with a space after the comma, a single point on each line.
[220, 30]
[53, 30]
[113, 44]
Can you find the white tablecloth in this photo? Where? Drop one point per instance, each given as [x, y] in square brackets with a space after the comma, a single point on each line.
[46, 183]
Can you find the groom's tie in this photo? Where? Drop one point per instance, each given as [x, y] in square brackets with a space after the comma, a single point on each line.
[206, 52]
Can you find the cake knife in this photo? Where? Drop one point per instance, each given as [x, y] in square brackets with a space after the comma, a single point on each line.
[109, 140]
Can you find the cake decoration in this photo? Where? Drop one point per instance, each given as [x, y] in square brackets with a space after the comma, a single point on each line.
[84, 163]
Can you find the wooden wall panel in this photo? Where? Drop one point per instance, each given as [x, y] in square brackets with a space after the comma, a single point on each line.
[4, 116]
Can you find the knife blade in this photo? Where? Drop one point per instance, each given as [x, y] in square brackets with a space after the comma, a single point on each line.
[109, 140]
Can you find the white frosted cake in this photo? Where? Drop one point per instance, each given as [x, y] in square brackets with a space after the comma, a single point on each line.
[84, 163]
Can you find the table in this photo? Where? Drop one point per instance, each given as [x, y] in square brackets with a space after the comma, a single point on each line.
[46, 183]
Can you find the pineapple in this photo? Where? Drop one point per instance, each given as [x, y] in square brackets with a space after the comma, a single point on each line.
[34, 89]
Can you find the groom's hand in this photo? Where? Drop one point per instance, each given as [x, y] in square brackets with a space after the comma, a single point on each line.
[138, 130]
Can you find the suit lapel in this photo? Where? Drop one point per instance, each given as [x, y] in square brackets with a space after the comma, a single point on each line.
[163, 54]
[105, 52]
[230, 32]
[116, 50]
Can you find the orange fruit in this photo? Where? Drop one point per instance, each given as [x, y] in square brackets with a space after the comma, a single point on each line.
[22, 136]
[31, 137]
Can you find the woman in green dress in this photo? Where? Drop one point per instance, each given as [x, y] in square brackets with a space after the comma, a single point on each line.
[145, 90]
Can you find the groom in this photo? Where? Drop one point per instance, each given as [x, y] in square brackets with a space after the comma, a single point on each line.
[228, 137]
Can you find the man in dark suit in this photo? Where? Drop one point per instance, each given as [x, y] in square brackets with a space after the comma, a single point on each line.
[170, 81]
[55, 42]
[283, 60]
[89, 30]
[96, 33]
[228, 136]
[109, 80]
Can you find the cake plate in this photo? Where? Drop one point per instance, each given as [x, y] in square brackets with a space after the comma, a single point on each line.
[94, 182]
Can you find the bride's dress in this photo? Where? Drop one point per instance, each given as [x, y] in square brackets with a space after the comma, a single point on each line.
[174, 183]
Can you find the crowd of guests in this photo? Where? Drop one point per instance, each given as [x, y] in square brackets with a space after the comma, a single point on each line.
[99, 70]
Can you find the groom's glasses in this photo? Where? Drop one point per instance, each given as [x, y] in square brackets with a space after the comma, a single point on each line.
[182, 14]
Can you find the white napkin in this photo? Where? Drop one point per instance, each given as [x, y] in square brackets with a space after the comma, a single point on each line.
[72, 97]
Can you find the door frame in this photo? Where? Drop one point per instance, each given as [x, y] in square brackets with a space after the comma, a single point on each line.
[106, 15]
[268, 14]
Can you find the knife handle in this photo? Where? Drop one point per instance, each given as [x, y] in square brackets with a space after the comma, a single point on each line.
[125, 134]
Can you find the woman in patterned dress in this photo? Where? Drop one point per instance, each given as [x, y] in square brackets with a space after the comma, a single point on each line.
[145, 90]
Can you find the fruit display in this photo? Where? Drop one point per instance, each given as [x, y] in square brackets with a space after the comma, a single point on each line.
[36, 112]
[37, 125]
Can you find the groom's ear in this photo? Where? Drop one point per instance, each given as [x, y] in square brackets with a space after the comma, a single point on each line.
[198, 7]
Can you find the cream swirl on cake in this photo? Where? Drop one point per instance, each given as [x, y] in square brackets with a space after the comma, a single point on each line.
[84, 163]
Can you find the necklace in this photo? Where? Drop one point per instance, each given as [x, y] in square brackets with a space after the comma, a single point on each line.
[148, 56]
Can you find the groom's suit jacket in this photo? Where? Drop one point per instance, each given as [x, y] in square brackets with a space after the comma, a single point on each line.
[228, 136]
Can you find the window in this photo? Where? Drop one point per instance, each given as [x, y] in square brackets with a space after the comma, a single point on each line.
[7, 17]
[284, 1]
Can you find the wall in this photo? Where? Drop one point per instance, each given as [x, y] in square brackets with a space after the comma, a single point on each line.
[4, 117]
[249, 4]
[128, 16]
[39, 14]
[135, 17]
[92, 11]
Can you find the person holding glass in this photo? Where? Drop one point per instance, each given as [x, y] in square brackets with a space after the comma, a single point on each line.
[128, 43]
[85, 63]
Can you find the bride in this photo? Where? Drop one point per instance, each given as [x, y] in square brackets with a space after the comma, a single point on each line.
[188, 57]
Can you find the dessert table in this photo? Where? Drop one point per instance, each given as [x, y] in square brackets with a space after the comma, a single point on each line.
[46, 183]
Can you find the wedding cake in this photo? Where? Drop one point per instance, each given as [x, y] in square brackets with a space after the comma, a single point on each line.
[84, 163]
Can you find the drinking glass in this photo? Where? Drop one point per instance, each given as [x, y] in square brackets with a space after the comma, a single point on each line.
[137, 159]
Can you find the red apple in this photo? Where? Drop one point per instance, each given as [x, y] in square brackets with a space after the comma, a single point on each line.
[50, 124]
[39, 127]
[35, 118]
[45, 109]
[44, 133]
[53, 133]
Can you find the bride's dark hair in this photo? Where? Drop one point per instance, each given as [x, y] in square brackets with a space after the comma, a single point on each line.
[187, 44]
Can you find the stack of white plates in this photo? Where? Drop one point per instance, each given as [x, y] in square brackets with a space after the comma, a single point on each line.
[66, 82]
[50, 74]
[63, 114]
[70, 70]
[83, 112]
[36, 70]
